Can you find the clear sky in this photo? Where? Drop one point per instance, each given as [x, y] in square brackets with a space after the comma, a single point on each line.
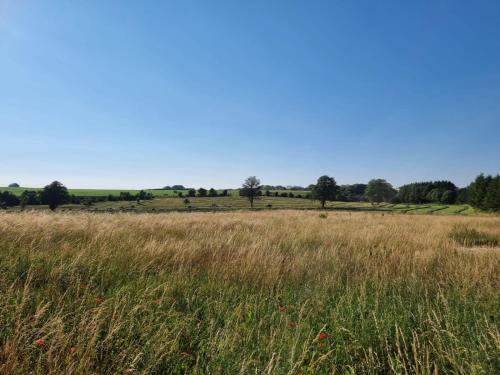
[137, 94]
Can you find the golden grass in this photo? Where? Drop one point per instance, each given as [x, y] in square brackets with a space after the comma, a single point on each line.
[245, 292]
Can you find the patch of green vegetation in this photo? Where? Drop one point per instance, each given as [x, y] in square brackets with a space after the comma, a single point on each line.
[470, 237]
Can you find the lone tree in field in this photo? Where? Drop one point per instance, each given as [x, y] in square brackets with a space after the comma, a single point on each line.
[54, 195]
[324, 190]
[379, 190]
[250, 189]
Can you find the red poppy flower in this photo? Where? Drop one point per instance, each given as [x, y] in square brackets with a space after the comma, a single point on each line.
[99, 300]
[323, 336]
[83, 286]
[322, 343]
[40, 342]
[72, 349]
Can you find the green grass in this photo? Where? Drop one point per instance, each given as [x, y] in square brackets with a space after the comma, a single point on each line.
[237, 202]
[471, 237]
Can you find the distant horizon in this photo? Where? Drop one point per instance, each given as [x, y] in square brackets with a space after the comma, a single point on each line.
[125, 93]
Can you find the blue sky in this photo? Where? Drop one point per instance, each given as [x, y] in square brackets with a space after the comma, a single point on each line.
[136, 94]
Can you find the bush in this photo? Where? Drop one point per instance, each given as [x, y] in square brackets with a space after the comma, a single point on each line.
[7, 199]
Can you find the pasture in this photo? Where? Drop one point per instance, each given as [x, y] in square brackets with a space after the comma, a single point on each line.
[238, 203]
[248, 292]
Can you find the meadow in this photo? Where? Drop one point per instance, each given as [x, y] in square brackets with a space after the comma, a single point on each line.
[249, 292]
[238, 203]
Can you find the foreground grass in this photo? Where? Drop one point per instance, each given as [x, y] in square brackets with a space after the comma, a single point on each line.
[275, 292]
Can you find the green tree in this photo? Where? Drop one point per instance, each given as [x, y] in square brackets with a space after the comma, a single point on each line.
[462, 196]
[191, 193]
[250, 189]
[29, 198]
[8, 199]
[448, 197]
[202, 192]
[434, 195]
[212, 192]
[379, 190]
[478, 190]
[492, 197]
[324, 190]
[54, 195]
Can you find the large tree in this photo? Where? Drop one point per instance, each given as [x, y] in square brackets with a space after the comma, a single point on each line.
[379, 190]
[250, 189]
[324, 190]
[54, 195]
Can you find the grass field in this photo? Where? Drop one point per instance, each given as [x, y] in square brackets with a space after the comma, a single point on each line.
[235, 202]
[250, 292]
[238, 203]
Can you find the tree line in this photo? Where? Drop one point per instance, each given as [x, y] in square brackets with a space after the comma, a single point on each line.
[56, 194]
[482, 193]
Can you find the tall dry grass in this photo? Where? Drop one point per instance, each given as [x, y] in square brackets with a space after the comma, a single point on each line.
[246, 292]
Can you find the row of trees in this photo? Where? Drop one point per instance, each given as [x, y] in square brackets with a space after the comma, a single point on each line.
[56, 194]
[201, 192]
[483, 193]
[52, 195]
[444, 192]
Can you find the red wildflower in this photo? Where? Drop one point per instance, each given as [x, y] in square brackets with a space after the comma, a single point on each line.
[157, 301]
[323, 336]
[184, 354]
[72, 349]
[83, 286]
[40, 342]
[322, 343]
[99, 300]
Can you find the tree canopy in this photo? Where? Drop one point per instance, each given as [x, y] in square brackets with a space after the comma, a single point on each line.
[251, 189]
[379, 190]
[324, 190]
[54, 195]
